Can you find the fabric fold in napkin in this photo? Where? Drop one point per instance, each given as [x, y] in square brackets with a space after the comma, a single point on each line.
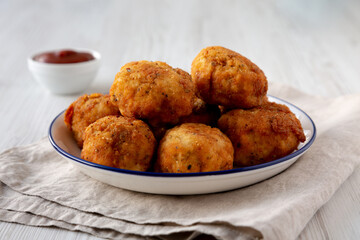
[40, 188]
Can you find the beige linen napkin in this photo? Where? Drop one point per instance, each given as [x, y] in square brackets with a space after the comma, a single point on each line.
[40, 188]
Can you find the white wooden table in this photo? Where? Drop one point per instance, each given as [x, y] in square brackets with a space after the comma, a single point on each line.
[311, 45]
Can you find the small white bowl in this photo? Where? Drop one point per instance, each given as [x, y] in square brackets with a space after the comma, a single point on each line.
[65, 78]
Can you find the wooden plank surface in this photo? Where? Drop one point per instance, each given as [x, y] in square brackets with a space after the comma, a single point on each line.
[311, 45]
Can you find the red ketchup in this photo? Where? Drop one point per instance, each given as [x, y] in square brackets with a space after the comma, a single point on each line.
[64, 56]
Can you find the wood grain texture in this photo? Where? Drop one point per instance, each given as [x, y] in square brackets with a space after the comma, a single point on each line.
[311, 45]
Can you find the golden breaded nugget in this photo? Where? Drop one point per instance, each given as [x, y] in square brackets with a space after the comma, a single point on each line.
[194, 147]
[262, 134]
[86, 110]
[153, 91]
[226, 78]
[119, 142]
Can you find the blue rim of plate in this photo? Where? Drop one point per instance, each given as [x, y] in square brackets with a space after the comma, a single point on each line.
[155, 174]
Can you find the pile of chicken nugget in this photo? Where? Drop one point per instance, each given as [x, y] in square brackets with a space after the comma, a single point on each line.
[159, 118]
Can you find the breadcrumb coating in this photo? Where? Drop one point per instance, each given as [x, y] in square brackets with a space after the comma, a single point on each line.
[153, 91]
[226, 78]
[119, 142]
[86, 110]
[262, 134]
[194, 147]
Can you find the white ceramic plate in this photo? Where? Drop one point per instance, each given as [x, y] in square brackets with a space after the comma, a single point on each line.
[179, 183]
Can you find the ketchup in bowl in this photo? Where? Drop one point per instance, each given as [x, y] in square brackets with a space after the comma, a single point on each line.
[64, 56]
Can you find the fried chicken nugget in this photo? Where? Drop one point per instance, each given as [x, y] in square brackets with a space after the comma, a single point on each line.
[119, 142]
[262, 134]
[153, 91]
[86, 110]
[194, 147]
[226, 78]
